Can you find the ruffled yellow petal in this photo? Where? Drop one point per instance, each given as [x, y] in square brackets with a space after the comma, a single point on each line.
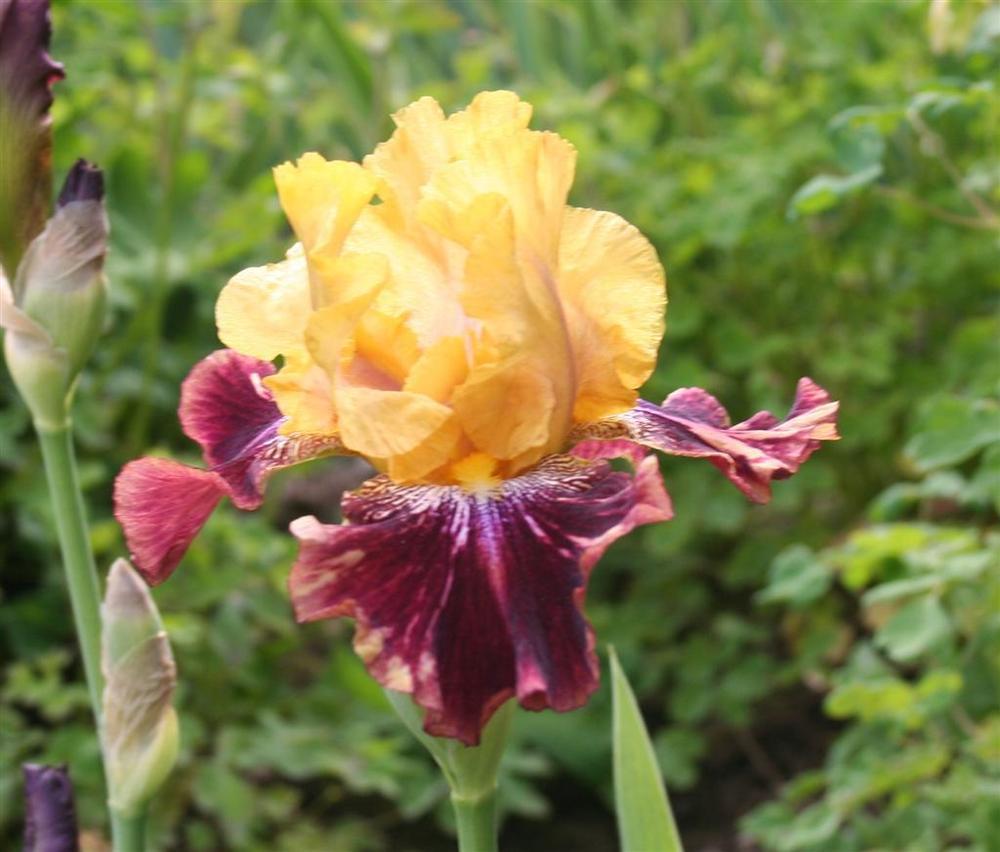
[533, 171]
[448, 209]
[613, 289]
[522, 351]
[439, 369]
[322, 199]
[505, 410]
[419, 288]
[263, 310]
[351, 284]
[405, 162]
[456, 331]
[304, 394]
[383, 424]
[387, 344]
[498, 112]
[434, 452]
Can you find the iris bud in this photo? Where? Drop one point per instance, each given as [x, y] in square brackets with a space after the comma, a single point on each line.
[54, 312]
[50, 816]
[140, 724]
[27, 73]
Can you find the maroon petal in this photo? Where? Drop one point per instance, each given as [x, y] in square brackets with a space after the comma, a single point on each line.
[652, 505]
[226, 409]
[27, 73]
[50, 815]
[162, 505]
[691, 422]
[464, 599]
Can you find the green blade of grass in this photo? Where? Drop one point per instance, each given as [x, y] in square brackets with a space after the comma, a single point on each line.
[645, 821]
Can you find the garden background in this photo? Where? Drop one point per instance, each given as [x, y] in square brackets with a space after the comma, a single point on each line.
[822, 181]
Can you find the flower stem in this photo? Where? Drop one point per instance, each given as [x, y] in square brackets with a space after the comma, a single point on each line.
[476, 820]
[128, 833]
[78, 559]
[471, 771]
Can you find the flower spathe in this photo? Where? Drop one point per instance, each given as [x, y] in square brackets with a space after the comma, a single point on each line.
[27, 74]
[446, 315]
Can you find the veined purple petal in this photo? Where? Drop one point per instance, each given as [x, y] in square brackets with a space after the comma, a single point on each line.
[27, 73]
[465, 598]
[162, 505]
[691, 422]
[652, 504]
[229, 413]
[50, 815]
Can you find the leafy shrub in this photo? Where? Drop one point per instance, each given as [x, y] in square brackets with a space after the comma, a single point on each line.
[703, 123]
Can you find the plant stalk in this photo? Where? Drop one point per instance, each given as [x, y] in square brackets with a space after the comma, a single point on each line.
[78, 559]
[476, 821]
[128, 833]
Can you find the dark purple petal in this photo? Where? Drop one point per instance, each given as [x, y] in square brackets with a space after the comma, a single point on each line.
[85, 182]
[691, 422]
[162, 505]
[50, 816]
[226, 409]
[652, 504]
[27, 73]
[465, 598]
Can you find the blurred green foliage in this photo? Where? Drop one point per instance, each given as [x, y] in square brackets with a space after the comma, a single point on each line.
[821, 180]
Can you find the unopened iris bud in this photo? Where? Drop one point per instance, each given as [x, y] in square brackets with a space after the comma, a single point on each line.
[140, 724]
[49, 812]
[54, 312]
[27, 73]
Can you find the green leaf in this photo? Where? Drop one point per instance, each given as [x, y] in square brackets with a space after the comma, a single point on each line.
[915, 628]
[959, 569]
[797, 577]
[985, 32]
[952, 430]
[826, 191]
[645, 822]
[679, 750]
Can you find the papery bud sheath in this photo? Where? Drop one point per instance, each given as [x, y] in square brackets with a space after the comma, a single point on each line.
[140, 725]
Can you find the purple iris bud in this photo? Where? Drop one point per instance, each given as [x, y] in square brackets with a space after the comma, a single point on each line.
[27, 74]
[50, 816]
[85, 182]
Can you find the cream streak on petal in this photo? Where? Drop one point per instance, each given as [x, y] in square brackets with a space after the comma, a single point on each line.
[468, 598]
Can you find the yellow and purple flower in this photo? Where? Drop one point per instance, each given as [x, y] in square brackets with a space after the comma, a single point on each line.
[447, 316]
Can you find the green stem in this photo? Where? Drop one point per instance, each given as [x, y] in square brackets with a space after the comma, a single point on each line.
[128, 833]
[78, 559]
[476, 820]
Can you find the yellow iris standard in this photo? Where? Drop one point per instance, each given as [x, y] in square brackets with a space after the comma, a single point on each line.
[444, 312]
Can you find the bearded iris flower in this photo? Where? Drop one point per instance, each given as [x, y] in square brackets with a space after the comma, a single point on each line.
[446, 315]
